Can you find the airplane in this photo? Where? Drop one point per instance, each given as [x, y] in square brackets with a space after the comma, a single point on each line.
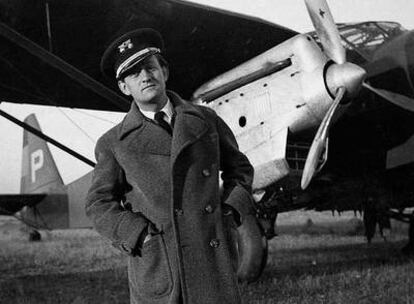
[44, 201]
[272, 86]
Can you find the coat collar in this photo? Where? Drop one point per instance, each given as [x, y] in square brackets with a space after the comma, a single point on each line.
[190, 125]
[135, 119]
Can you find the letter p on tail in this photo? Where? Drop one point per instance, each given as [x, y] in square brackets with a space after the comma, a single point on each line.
[39, 171]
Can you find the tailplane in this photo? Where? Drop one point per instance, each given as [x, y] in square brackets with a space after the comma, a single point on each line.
[39, 171]
[40, 176]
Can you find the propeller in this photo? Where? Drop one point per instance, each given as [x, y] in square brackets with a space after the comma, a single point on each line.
[342, 78]
[326, 29]
[395, 98]
[320, 142]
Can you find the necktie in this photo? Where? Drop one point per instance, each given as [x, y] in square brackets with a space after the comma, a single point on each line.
[159, 118]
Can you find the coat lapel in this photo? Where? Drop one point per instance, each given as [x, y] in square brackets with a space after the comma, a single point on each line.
[189, 125]
[133, 120]
[147, 136]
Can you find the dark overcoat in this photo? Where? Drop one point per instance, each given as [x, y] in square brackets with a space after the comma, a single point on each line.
[145, 177]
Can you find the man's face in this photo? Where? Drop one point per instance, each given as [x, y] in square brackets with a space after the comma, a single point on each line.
[145, 82]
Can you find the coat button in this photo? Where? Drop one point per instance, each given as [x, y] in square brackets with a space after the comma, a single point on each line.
[179, 212]
[214, 243]
[206, 172]
[209, 209]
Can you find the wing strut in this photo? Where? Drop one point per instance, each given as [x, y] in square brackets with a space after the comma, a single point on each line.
[47, 138]
[69, 70]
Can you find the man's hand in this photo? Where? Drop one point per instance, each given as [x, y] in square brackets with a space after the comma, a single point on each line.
[147, 238]
[143, 238]
[147, 234]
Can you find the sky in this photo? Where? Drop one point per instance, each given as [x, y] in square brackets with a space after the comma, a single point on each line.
[79, 129]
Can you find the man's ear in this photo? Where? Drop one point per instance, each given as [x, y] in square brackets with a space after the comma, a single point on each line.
[123, 87]
[166, 72]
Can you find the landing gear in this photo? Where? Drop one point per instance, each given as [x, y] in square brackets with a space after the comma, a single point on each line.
[267, 222]
[370, 222]
[409, 248]
[409, 219]
[376, 213]
[254, 233]
[35, 236]
[252, 249]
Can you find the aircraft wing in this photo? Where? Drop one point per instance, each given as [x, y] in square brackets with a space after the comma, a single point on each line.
[51, 50]
[11, 203]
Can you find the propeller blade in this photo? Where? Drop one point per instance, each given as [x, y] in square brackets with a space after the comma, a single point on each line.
[326, 29]
[395, 98]
[320, 141]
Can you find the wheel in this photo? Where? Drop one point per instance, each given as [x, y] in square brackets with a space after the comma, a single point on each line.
[35, 236]
[252, 249]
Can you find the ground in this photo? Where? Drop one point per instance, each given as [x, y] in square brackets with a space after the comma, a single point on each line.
[316, 258]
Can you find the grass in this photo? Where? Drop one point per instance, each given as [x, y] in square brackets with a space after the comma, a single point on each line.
[324, 260]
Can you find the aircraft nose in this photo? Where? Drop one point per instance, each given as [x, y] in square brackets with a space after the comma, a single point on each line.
[346, 75]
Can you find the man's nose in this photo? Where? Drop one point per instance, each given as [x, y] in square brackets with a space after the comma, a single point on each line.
[145, 75]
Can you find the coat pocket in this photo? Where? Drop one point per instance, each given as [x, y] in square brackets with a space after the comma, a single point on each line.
[150, 274]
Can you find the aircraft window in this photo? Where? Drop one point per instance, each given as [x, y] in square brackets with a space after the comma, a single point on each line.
[365, 37]
[242, 121]
[368, 36]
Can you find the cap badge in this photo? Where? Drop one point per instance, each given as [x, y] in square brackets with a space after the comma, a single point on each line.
[125, 45]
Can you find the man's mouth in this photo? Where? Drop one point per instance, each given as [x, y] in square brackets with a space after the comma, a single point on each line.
[148, 86]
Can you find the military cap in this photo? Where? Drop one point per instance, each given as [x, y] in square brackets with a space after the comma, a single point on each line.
[129, 49]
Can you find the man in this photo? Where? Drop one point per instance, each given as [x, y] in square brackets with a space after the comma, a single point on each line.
[155, 189]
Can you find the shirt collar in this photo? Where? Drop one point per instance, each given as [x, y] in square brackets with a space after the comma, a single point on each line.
[168, 109]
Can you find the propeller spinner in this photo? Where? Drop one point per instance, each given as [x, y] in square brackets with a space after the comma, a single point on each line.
[342, 79]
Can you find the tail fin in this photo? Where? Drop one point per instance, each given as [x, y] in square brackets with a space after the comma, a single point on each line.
[39, 171]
